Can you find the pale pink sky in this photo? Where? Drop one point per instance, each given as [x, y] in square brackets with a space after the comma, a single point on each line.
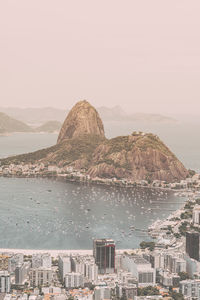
[143, 55]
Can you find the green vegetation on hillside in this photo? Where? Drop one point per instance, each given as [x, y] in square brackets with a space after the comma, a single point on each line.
[125, 145]
[67, 152]
[152, 141]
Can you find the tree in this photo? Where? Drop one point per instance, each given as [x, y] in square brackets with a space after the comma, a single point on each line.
[191, 172]
[148, 291]
[149, 245]
[183, 275]
[176, 296]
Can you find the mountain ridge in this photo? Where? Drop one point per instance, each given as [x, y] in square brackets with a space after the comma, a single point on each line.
[11, 125]
[116, 113]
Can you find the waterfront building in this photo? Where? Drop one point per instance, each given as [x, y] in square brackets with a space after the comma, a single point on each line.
[74, 280]
[36, 261]
[64, 265]
[104, 254]
[46, 260]
[140, 268]
[41, 260]
[14, 261]
[21, 273]
[4, 282]
[4, 262]
[190, 289]
[40, 277]
[193, 244]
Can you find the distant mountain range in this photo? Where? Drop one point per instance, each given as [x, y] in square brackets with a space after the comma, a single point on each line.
[11, 125]
[39, 116]
[35, 116]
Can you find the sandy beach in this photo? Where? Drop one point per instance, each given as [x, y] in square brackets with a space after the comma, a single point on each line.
[54, 253]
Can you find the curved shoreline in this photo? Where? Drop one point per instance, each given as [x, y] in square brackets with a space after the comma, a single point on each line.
[54, 253]
[99, 181]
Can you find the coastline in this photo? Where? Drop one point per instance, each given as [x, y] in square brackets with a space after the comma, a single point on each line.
[99, 181]
[55, 253]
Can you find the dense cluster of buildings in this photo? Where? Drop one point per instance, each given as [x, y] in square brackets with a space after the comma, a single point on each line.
[166, 268]
[71, 174]
[107, 274]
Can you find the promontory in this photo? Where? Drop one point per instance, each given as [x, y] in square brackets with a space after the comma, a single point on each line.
[82, 145]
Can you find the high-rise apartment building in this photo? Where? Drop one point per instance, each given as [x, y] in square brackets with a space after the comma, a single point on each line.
[21, 272]
[40, 277]
[74, 280]
[41, 260]
[196, 215]
[193, 244]
[4, 282]
[104, 254]
[64, 265]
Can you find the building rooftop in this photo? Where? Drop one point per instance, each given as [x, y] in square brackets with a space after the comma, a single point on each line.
[138, 259]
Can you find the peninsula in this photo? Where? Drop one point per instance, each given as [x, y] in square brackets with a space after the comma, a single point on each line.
[83, 148]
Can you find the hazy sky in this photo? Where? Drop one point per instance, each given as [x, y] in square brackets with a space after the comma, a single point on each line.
[143, 55]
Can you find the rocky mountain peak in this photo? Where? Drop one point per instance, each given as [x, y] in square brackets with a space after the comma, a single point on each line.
[82, 119]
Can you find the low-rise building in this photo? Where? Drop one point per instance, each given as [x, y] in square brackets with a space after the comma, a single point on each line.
[126, 291]
[140, 268]
[190, 289]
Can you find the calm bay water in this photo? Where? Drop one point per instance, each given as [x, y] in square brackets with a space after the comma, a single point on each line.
[50, 214]
[47, 214]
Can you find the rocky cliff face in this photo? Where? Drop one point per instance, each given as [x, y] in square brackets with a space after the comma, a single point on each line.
[136, 157]
[82, 119]
[82, 144]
